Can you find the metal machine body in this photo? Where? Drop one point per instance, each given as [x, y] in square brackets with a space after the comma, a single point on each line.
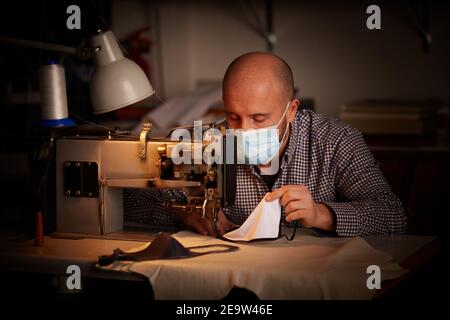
[92, 171]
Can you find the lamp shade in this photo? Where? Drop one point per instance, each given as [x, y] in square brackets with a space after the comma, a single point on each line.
[116, 82]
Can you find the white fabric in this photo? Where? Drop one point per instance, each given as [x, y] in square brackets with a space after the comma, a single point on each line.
[262, 223]
[309, 267]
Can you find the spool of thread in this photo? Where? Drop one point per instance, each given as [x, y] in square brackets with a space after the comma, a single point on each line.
[52, 83]
[39, 232]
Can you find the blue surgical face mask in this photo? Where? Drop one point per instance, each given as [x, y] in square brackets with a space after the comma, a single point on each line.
[260, 146]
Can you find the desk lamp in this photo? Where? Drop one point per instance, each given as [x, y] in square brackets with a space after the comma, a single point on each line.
[116, 82]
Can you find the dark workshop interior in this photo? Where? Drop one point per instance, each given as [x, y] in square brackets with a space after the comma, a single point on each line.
[392, 84]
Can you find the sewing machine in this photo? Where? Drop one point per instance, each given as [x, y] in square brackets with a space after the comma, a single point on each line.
[93, 170]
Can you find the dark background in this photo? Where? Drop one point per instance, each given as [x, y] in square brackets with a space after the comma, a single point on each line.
[417, 167]
[22, 136]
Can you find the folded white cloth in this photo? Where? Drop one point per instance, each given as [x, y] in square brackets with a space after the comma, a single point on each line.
[262, 223]
[309, 267]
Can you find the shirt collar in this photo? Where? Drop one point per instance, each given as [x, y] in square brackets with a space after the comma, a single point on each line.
[297, 132]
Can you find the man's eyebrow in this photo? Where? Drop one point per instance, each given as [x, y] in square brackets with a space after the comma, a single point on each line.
[259, 114]
[231, 113]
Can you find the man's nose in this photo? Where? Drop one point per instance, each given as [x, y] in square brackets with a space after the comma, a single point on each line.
[246, 125]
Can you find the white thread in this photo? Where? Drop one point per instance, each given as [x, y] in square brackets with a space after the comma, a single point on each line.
[52, 83]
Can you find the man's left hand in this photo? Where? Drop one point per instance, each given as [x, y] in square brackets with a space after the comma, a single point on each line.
[299, 204]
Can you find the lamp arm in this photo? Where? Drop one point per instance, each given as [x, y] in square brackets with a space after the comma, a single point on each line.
[83, 53]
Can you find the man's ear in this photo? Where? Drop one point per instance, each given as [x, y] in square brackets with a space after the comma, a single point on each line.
[293, 110]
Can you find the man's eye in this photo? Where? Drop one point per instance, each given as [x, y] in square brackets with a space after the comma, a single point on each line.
[259, 119]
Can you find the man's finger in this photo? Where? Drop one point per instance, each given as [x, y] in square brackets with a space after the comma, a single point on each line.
[297, 214]
[198, 226]
[220, 228]
[221, 217]
[224, 222]
[221, 220]
[207, 226]
[278, 193]
[292, 195]
[294, 205]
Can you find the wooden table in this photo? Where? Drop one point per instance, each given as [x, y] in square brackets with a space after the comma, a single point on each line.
[19, 255]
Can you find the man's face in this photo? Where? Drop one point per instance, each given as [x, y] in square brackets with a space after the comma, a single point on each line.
[252, 109]
[256, 106]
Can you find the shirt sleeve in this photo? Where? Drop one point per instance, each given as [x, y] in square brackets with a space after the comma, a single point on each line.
[366, 203]
[146, 206]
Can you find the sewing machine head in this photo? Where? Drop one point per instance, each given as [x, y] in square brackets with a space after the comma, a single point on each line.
[92, 171]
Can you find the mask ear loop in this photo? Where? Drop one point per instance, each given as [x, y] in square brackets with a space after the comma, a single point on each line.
[285, 235]
[288, 124]
[285, 132]
[293, 234]
[284, 114]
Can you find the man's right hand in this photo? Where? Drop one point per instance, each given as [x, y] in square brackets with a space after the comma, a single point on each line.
[195, 222]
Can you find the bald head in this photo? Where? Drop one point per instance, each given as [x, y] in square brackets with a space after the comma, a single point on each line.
[259, 71]
[258, 92]
[257, 89]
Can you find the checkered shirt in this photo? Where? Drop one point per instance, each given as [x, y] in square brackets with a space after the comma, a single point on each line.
[327, 156]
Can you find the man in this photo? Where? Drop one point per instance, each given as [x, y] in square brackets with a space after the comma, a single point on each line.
[327, 178]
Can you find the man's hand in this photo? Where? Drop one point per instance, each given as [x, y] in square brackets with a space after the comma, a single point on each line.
[223, 224]
[196, 222]
[299, 204]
